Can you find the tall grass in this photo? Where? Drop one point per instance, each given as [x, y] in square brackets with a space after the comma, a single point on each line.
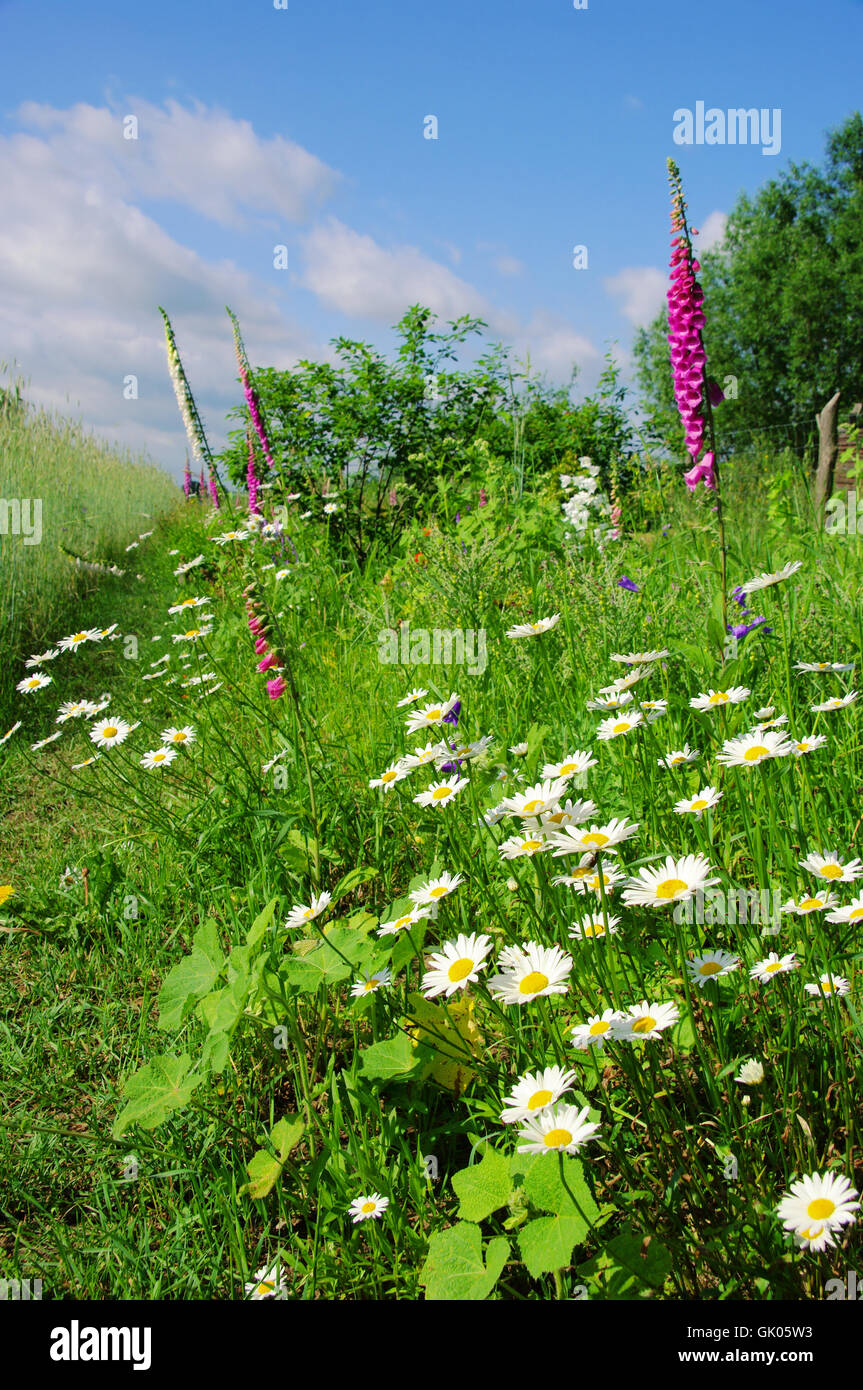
[93, 499]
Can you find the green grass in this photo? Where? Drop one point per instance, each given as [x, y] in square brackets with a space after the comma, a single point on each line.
[93, 501]
[157, 1211]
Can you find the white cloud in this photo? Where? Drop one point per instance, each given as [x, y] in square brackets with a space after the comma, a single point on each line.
[555, 347]
[641, 289]
[352, 273]
[202, 158]
[711, 231]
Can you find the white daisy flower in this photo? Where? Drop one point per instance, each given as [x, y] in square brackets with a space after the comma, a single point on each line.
[640, 658]
[764, 970]
[824, 666]
[711, 964]
[645, 1021]
[396, 772]
[521, 846]
[714, 698]
[585, 879]
[574, 839]
[436, 888]
[70, 878]
[765, 580]
[597, 1031]
[33, 683]
[282, 574]
[456, 966]
[49, 655]
[530, 971]
[365, 1208]
[751, 749]
[227, 538]
[568, 813]
[9, 732]
[675, 881]
[537, 799]
[370, 982]
[810, 744]
[835, 702]
[267, 1283]
[192, 634]
[696, 805]
[532, 629]
[534, 1092]
[420, 756]
[407, 919]
[557, 1129]
[73, 709]
[817, 902]
[411, 697]
[828, 986]
[159, 757]
[591, 927]
[618, 724]
[573, 765]
[181, 737]
[34, 747]
[197, 602]
[518, 750]
[440, 793]
[430, 715]
[77, 639]
[832, 868]
[821, 1202]
[851, 912]
[109, 732]
[611, 702]
[189, 565]
[678, 756]
[76, 767]
[751, 1073]
[300, 914]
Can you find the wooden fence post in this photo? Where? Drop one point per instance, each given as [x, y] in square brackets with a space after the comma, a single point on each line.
[827, 446]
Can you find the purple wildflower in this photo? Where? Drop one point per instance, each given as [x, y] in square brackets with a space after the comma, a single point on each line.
[626, 583]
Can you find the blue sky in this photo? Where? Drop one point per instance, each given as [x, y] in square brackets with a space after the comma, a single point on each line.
[304, 126]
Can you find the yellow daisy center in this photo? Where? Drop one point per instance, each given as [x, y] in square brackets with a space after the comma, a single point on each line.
[79, 637]
[802, 747]
[809, 903]
[265, 1288]
[367, 1207]
[433, 714]
[597, 1029]
[595, 929]
[566, 768]
[820, 1208]
[557, 1138]
[530, 806]
[534, 983]
[679, 759]
[402, 922]
[438, 892]
[756, 753]
[579, 873]
[644, 1025]
[621, 727]
[537, 627]
[855, 913]
[531, 844]
[699, 805]
[388, 777]
[826, 986]
[440, 793]
[180, 736]
[109, 731]
[595, 837]
[709, 967]
[158, 757]
[772, 967]
[718, 697]
[538, 1099]
[371, 984]
[831, 871]
[460, 969]
[670, 887]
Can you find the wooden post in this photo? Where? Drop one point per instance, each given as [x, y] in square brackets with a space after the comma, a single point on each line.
[827, 446]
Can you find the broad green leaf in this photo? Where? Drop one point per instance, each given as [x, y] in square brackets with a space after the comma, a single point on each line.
[264, 1168]
[155, 1091]
[352, 879]
[192, 977]
[330, 962]
[484, 1187]
[397, 1057]
[547, 1242]
[454, 1268]
[622, 1272]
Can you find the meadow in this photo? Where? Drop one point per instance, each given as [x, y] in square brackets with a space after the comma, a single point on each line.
[331, 971]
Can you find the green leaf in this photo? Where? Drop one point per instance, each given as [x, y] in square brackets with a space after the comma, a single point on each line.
[454, 1268]
[331, 962]
[155, 1091]
[261, 923]
[484, 1187]
[352, 879]
[264, 1168]
[546, 1243]
[396, 1057]
[626, 1269]
[192, 977]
